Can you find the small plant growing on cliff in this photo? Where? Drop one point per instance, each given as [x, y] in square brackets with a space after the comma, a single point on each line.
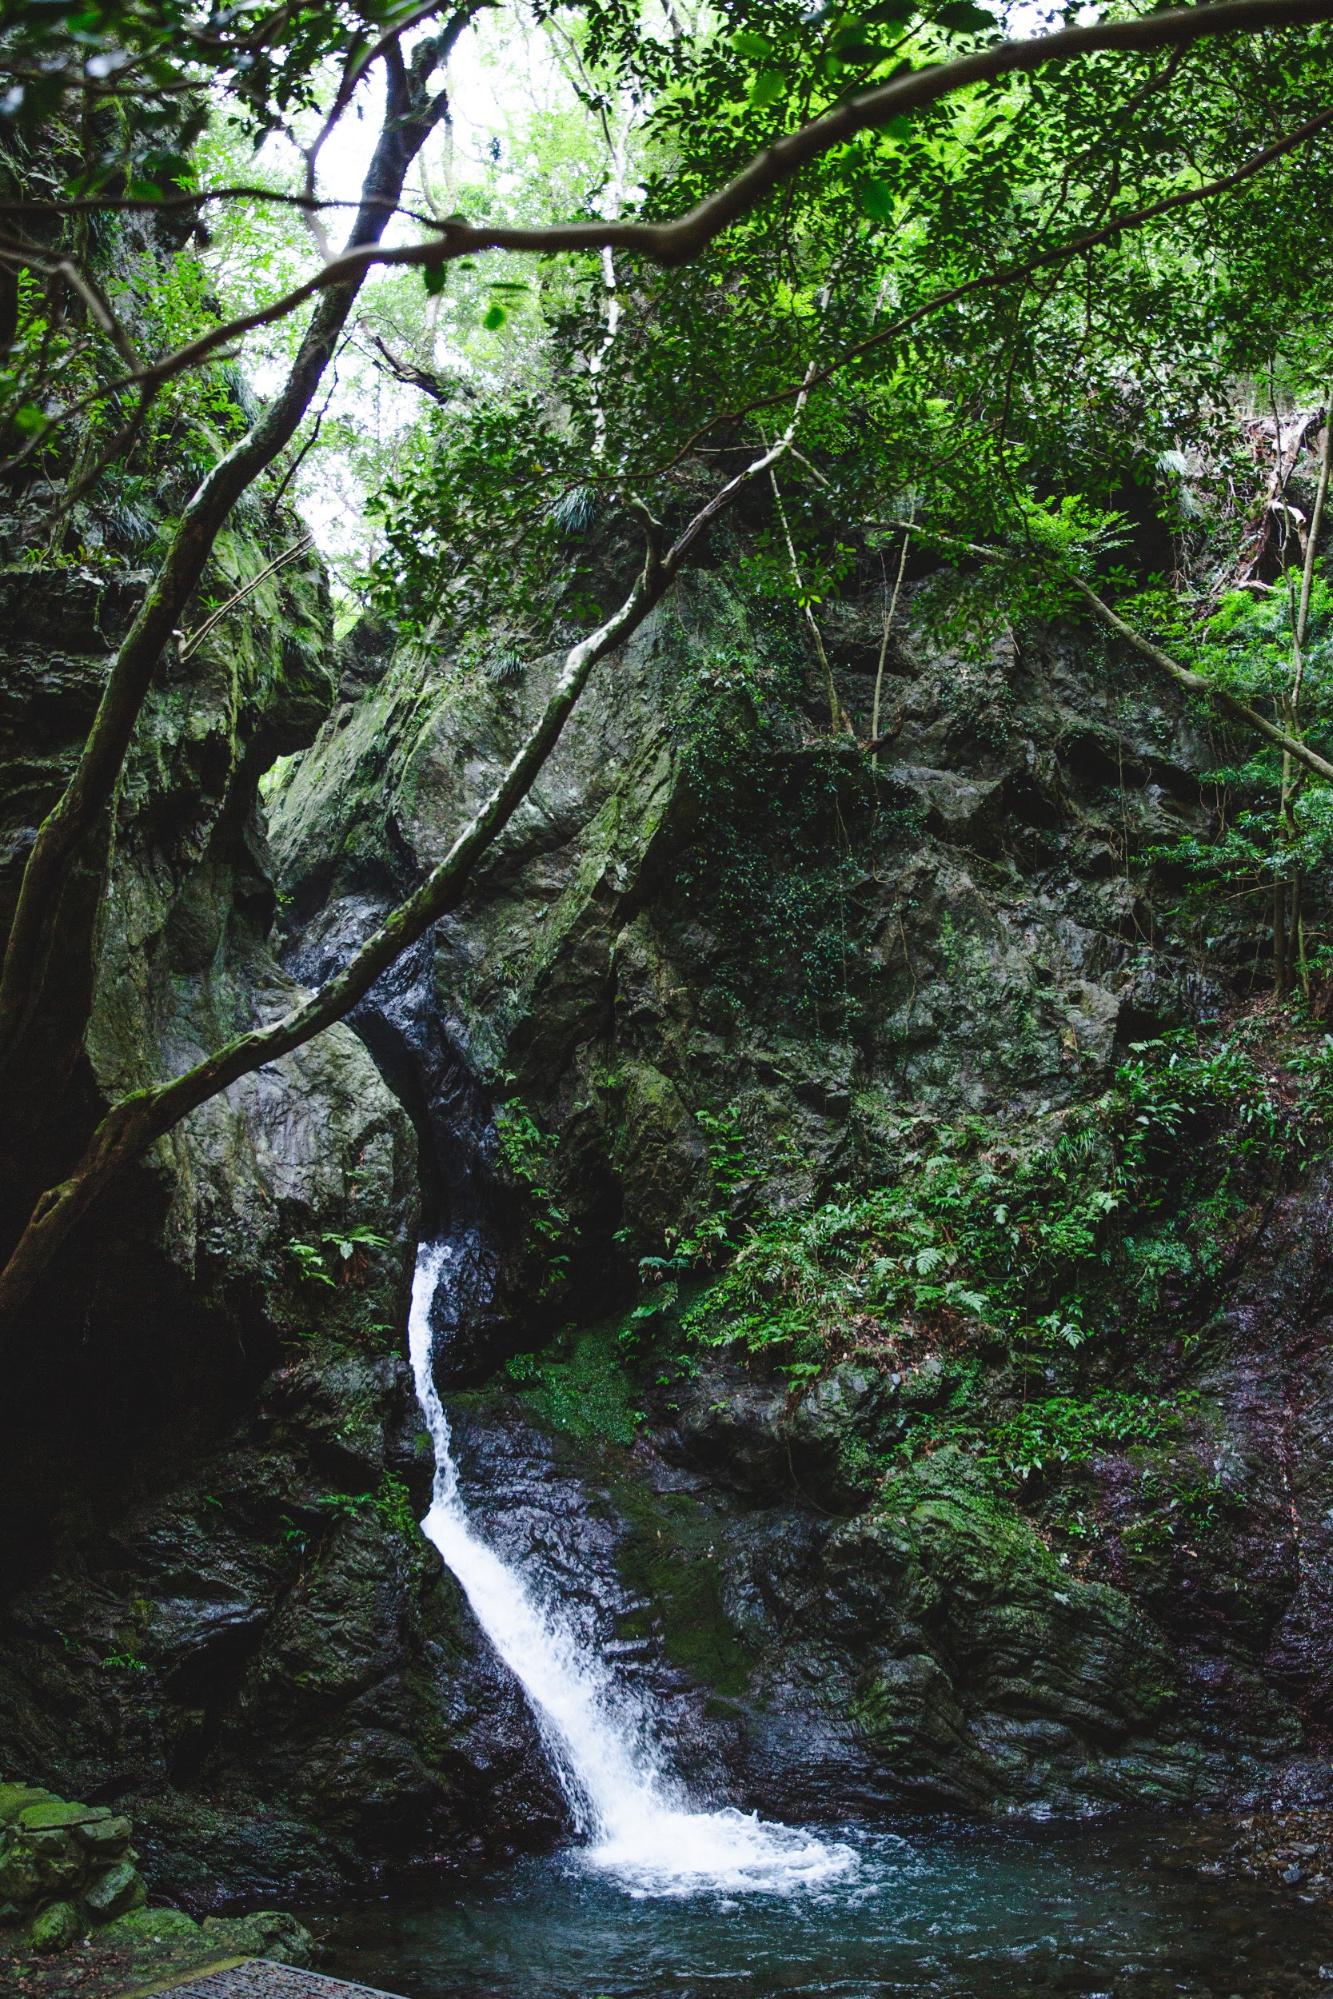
[309, 1260]
[528, 1153]
[337, 1256]
[393, 1503]
[1043, 1247]
[731, 1167]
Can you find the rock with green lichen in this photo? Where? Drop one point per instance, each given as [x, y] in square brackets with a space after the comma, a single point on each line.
[112, 1893]
[55, 1928]
[64, 1867]
[270, 1933]
[153, 1926]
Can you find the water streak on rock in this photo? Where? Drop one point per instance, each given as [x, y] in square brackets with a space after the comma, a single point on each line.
[636, 1817]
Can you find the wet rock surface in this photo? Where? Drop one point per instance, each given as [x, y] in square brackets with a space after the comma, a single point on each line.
[269, 1667]
[217, 1611]
[928, 1648]
[1284, 1850]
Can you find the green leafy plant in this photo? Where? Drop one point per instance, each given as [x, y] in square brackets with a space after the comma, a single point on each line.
[1042, 1243]
[528, 1154]
[393, 1503]
[336, 1256]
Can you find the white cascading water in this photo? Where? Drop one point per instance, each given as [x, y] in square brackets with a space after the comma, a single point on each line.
[638, 1821]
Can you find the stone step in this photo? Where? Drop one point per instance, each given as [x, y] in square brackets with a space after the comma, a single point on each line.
[259, 1978]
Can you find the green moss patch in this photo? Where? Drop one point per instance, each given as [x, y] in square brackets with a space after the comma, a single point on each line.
[669, 1560]
[581, 1385]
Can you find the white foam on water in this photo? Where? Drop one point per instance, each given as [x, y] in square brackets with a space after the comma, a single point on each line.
[635, 1816]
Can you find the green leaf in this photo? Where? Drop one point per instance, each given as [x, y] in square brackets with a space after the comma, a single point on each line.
[768, 86]
[963, 17]
[495, 317]
[163, 168]
[858, 50]
[433, 277]
[878, 201]
[854, 41]
[747, 43]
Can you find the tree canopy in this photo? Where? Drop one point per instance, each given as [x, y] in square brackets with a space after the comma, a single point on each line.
[993, 285]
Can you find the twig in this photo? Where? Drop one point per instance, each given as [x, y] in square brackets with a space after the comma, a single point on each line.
[196, 638]
[884, 641]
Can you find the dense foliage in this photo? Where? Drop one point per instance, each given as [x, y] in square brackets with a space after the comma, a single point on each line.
[876, 282]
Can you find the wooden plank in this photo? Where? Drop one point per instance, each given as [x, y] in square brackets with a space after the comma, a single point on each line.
[259, 1978]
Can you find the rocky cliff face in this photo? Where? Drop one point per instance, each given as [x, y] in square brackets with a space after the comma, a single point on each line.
[215, 1600]
[723, 965]
[708, 906]
[720, 972]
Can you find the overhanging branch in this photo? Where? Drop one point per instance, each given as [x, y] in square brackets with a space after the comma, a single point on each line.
[678, 241]
[131, 1126]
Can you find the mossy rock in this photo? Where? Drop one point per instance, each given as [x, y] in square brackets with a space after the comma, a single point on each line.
[20, 1881]
[152, 1926]
[52, 1813]
[54, 1852]
[104, 1837]
[119, 1889]
[56, 1928]
[582, 1386]
[270, 1933]
[17, 1798]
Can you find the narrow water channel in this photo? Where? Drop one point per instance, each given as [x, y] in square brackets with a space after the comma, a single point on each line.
[635, 1813]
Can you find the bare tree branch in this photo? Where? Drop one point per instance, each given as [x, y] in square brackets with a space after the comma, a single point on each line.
[196, 638]
[168, 204]
[1196, 683]
[430, 384]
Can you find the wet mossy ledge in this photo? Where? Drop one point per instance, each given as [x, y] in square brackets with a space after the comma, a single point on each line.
[74, 1915]
[970, 1469]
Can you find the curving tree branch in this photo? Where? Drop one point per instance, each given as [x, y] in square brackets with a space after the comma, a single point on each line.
[678, 241]
[1227, 704]
[75, 833]
[131, 1126]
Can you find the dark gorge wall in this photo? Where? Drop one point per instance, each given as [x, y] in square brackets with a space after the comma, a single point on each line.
[720, 972]
[217, 1611]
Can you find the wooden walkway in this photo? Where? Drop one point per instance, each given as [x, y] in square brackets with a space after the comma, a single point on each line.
[258, 1979]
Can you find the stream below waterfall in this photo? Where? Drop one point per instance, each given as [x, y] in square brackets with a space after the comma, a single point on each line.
[659, 1895]
[946, 1910]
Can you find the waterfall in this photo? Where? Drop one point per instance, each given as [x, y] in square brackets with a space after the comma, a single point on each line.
[635, 1817]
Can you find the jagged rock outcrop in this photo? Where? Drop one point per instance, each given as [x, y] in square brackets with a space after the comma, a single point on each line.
[711, 926]
[707, 905]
